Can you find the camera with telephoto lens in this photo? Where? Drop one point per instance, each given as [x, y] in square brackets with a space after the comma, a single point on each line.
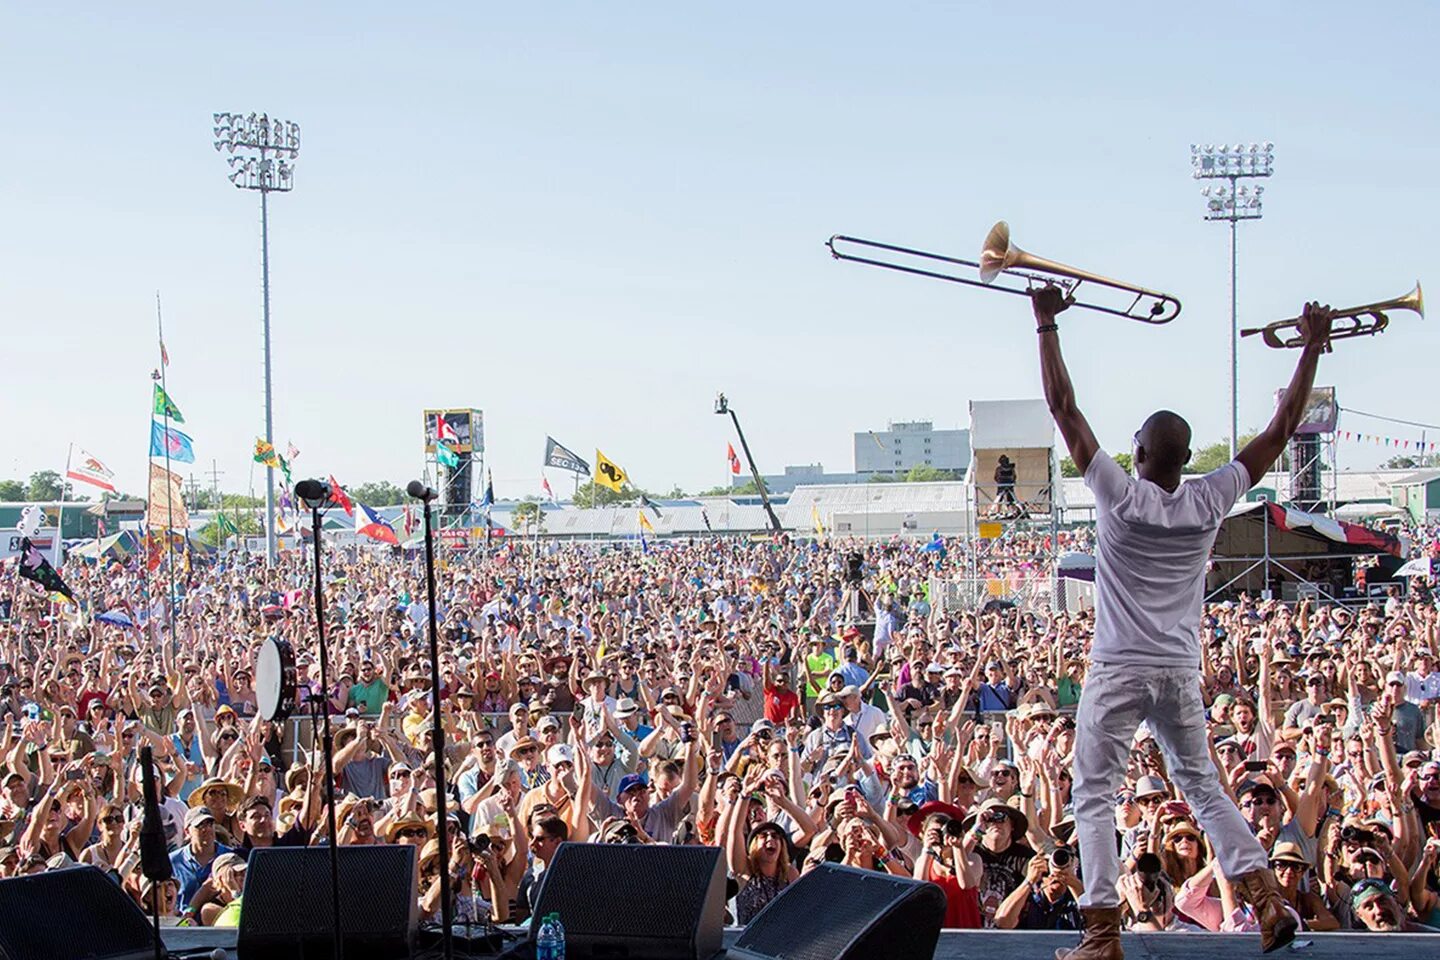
[954, 829]
[480, 843]
[1061, 857]
[1149, 867]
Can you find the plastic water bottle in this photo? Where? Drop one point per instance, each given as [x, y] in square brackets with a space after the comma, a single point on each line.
[559, 937]
[550, 942]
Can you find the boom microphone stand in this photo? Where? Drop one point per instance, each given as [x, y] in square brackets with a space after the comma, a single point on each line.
[316, 494]
[425, 495]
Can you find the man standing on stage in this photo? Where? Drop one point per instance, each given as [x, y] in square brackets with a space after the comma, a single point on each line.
[1154, 537]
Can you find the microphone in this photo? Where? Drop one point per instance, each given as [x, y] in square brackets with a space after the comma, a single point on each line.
[419, 491]
[313, 492]
[154, 858]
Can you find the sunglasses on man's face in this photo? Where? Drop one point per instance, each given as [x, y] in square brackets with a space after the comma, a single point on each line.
[410, 833]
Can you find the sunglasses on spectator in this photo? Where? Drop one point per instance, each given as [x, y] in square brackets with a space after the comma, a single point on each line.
[1149, 801]
[399, 774]
[112, 819]
[410, 833]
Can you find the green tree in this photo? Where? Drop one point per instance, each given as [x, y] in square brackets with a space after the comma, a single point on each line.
[924, 473]
[247, 524]
[44, 485]
[239, 501]
[381, 493]
[11, 491]
[1394, 463]
[882, 478]
[527, 513]
[1215, 455]
[1124, 461]
[592, 494]
[746, 489]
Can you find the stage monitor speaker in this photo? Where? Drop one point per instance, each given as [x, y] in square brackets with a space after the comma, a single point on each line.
[74, 914]
[288, 914]
[840, 913]
[612, 906]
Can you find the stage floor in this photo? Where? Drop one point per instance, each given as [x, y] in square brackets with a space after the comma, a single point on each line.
[1029, 945]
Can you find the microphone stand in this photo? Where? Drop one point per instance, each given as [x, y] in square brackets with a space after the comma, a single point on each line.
[437, 741]
[323, 708]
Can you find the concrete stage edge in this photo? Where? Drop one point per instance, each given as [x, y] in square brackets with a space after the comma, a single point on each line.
[1032, 945]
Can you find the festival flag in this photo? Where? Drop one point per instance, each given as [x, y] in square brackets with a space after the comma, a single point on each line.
[645, 522]
[165, 502]
[165, 407]
[285, 469]
[545, 485]
[815, 519]
[338, 495]
[645, 504]
[734, 460]
[370, 524]
[446, 457]
[90, 470]
[225, 526]
[265, 454]
[445, 433]
[608, 473]
[292, 452]
[488, 499]
[562, 458]
[706, 517]
[164, 354]
[408, 519]
[34, 567]
[169, 441]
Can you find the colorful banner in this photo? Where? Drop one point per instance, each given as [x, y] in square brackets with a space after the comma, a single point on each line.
[165, 506]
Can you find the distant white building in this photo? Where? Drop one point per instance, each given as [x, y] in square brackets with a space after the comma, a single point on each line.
[916, 443]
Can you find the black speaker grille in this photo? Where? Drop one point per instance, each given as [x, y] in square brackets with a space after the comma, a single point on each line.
[287, 898]
[840, 913]
[75, 914]
[632, 892]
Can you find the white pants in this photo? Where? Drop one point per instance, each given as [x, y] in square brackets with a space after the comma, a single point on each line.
[1113, 701]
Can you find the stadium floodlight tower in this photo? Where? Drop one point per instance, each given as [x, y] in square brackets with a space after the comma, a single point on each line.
[262, 155]
[1233, 202]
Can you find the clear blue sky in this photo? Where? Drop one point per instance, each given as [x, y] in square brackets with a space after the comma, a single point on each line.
[586, 218]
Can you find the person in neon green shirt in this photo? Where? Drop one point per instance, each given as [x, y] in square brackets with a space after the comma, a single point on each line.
[819, 664]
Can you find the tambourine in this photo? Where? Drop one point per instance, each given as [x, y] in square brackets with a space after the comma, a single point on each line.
[275, 684]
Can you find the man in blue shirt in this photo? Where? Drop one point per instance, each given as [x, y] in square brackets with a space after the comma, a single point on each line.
[996, 693]
[191, 863]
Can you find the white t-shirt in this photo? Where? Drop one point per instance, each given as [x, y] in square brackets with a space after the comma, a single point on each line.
[1152, 549]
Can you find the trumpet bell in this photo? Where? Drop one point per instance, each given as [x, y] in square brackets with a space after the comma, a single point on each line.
[1416, 300]
[997, 255]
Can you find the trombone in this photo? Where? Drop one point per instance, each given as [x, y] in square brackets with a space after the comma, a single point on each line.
[999, 256]
[1364, 321]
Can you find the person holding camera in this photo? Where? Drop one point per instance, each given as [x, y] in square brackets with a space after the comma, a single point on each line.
[947, 859]
[1045, 899]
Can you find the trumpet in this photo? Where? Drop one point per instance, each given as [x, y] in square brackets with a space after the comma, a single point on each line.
[1000, 256]
[1364, 321]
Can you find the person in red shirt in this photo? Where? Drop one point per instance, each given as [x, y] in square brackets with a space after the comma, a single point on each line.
[780, 701]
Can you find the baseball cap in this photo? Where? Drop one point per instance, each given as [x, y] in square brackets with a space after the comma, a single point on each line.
[1395, 676]
[629, 782]
[559, 753]
[197, 816]
[548, 722]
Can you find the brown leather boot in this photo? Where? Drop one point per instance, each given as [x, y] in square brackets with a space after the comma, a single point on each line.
[1261, 890]
[1102, 936]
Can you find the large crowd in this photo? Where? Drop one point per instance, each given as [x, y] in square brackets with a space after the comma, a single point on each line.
[791, 703]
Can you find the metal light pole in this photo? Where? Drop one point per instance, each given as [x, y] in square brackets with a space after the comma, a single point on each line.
[1233, 203]
[265, 162]
[722, 407]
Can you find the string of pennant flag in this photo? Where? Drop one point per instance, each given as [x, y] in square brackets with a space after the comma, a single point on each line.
[1382, 440]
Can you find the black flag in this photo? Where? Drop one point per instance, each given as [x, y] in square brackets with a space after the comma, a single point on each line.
[562, 458]
[34, 566]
